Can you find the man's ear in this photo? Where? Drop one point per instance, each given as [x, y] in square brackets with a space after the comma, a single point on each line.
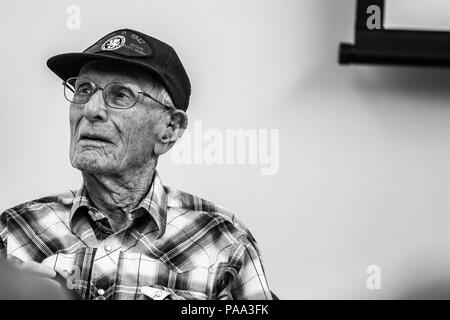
[172, 132]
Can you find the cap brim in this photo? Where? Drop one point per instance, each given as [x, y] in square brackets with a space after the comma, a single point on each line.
[68, 65]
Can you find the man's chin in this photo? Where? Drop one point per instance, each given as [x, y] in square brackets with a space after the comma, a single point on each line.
[92, 165]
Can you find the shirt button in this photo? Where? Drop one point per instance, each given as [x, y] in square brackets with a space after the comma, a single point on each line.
[108, 248]
[100, 292]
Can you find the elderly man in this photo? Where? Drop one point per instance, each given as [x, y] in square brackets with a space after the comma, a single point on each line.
[123, 234]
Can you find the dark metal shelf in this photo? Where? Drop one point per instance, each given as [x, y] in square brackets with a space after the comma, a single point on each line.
[394, 47]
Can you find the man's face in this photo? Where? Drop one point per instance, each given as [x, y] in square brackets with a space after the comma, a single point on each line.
[114, 141]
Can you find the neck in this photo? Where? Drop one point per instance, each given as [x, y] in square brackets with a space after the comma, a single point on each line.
[116, 196]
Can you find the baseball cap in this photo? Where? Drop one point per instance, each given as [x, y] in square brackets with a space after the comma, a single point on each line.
[133, 48]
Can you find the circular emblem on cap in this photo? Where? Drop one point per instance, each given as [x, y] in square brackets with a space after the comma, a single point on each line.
[113, 43]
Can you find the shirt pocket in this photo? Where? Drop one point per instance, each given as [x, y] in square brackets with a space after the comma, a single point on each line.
[158, 280]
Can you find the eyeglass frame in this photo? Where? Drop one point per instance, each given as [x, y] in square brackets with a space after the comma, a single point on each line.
[97, 87]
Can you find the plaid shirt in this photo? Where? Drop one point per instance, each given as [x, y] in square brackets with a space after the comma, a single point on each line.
[175, 246]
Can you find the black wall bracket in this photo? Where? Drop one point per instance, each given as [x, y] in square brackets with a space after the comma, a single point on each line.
[376, 45]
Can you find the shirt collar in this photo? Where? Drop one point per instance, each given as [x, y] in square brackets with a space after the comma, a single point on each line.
[154, 203]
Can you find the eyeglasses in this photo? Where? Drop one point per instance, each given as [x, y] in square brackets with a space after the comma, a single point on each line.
[117, 95]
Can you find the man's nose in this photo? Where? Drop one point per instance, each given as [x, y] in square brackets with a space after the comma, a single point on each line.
[96, 109]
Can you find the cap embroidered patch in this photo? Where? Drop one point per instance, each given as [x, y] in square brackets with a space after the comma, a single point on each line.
[114, 43]
[125, 43]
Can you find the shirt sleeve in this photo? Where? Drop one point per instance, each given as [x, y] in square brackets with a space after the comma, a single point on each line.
[247, 280]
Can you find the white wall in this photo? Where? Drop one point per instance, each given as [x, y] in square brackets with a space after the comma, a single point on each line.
[364, 151]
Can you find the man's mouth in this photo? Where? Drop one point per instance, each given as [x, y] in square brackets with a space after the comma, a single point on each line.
[94, 138]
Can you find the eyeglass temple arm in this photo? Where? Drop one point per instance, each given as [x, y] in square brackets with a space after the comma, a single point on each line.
[68, 86]
[149, 96]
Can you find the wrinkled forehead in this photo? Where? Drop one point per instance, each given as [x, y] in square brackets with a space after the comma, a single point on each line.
[103, 72]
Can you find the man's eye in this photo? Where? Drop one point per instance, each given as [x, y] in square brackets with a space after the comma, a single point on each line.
[84, 90]
[122, 95]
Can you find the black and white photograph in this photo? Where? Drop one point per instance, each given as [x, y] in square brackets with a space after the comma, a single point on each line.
[225, 150]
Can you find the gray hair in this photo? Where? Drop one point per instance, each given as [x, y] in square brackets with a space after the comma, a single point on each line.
[158, 90]
[163, 96]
